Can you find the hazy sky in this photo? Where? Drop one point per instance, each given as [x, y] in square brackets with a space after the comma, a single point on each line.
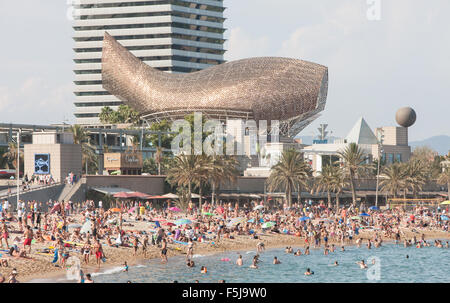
[375, 67]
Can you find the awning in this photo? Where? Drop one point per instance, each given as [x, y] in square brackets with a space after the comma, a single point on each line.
[111, 190]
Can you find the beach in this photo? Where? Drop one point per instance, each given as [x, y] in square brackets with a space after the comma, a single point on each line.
[40, 266]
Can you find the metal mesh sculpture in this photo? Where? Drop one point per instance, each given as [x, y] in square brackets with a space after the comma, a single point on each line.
[289, 90]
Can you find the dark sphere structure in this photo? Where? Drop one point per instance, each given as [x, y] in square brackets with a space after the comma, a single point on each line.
[405, 116]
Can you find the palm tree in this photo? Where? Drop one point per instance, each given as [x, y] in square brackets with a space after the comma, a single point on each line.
[415, 176]
[158, 158]
[203, 166]
[80, 136]
[183, 170]
[325, 181]
[10, 156]
[339, 182]
[223, 170]
[444, 178]
[287, 173]
[303, 179]
[393, 179]
[353, 161]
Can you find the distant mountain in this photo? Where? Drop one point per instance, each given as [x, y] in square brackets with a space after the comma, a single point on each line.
[441, 144]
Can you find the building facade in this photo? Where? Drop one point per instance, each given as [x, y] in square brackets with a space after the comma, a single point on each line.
[175, 36]
[390, 142]
[52, 153]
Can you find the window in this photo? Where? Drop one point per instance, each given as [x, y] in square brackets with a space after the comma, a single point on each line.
[391, 158]
[398, 158]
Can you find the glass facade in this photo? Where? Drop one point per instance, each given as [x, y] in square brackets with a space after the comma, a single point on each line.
[174, 36]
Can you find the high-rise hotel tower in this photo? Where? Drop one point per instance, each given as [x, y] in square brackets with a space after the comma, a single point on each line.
[175, 36]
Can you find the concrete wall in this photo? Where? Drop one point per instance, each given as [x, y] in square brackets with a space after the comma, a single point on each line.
[64, 158]
[152, 185]
[42, 195]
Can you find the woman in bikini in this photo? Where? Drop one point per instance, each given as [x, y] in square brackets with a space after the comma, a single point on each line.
[86, 251]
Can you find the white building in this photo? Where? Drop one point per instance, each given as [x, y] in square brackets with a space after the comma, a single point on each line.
[393, 143]
[176, 36]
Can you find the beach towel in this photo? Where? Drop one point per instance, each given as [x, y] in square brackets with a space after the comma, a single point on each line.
[55, 259]
[157, 224]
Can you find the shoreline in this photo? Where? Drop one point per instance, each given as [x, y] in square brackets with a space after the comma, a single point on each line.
[272, 241]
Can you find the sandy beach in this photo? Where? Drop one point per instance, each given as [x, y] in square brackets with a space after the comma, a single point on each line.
[40, 266]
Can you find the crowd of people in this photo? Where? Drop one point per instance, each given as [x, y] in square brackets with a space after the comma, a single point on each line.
[83, 229]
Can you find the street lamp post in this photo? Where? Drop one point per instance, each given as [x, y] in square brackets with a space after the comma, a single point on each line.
[18, 165]
[380, 151]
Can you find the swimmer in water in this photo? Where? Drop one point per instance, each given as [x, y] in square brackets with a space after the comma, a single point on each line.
[254, 262]
[309, 272]
[239, 261]
[298, 253]
[336, 263]
[307, 250]
[276, 261]
[342, 248]
[190, 263]
[362, 264]
[203, 270]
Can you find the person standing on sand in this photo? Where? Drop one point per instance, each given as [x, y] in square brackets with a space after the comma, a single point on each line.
[144, 246]
[164, 251]
[98, 252]
[28, 235]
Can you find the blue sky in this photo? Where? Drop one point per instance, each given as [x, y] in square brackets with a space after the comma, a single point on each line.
[375, 67]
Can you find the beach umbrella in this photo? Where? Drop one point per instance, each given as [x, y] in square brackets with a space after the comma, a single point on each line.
[364, 215]
[115, 210]
[220, 209]
[121, 194]
[183, 221]
[268, 224]
[132, 209]
[444, 218]
[74, 225]
[374, 208]
[208, 214]
[304, 218]
[446, 202]
[236, 221]
[355, 218]
[170, 196]
[258, 207]
[169, 224]
[251, 221]
[174, 209]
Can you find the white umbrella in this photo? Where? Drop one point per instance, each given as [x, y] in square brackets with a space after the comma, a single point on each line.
[258, 207]
[171, 196]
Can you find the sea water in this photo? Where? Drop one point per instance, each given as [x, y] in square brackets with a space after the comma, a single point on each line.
[429, 264]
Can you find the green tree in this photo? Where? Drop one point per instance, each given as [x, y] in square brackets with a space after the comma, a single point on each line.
[223, 171]
[124, 114]
[444, 179]
[393, 179]
[287, 173]
[354, 159]
[415, 176]
[183, 170]
[324, 182]
[88, 156]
